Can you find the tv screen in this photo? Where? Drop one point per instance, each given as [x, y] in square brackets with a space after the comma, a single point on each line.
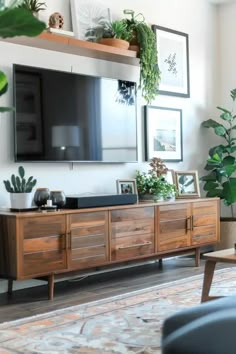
[63, 116]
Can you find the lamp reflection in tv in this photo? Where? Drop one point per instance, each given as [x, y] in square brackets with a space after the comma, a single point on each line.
[66, 138]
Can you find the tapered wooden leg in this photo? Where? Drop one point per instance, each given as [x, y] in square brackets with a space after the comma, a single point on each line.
[10, 286]
[160, 263]
[197, 257]
[50, 286]
[207, 280]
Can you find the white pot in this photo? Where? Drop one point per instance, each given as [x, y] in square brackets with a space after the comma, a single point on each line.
[21, 200]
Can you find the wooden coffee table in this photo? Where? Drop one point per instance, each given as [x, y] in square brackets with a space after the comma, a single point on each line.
[224, 256]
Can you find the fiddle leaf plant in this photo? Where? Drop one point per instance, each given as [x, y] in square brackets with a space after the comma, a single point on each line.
[15, 21]
[19, 184]
[221, 163]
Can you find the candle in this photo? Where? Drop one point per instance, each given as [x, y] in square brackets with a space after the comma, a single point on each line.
[49, 202]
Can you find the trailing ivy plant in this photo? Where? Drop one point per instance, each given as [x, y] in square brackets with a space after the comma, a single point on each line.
[150, 74]
[15, 21]
[221, 163]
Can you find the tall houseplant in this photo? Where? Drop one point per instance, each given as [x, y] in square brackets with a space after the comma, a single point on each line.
[150, 74]
[221, 163]
[220, 181]
[16, 21]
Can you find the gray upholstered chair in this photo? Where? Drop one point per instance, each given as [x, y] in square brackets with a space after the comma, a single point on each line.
[209, 328]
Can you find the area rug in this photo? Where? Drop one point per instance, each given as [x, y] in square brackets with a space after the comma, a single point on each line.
[125, 324]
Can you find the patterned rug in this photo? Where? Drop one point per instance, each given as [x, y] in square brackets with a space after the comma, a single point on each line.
[125, 324]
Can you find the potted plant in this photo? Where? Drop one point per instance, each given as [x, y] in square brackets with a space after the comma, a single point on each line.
[220, 181]
[116, 34]
[20, 189]
[144, 37]
[153, 185]
[33, 6]
[16, 22]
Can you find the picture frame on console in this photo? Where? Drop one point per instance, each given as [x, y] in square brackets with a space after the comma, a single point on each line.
[187, 184]
[126, 186]
[163, 133]
[173, 60]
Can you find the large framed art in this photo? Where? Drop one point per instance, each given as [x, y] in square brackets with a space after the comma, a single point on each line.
[173, 61]
[163, 133]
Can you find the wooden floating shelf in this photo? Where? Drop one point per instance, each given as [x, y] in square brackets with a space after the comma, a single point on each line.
[59, 43]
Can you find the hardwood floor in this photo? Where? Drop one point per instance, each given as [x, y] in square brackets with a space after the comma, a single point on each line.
[33, 301]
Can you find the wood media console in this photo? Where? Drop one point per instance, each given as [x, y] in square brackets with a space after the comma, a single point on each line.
[38, 244]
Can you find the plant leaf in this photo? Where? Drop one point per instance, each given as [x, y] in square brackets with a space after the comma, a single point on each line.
[19, 22]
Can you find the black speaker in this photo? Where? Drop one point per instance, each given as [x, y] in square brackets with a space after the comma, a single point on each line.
[90, 201]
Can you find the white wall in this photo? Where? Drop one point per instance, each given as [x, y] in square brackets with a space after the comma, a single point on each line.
[198, 18]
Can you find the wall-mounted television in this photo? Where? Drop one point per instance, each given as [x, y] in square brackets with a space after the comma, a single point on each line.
[64, 116]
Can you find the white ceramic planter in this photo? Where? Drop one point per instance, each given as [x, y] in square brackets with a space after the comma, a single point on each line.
[21, 200]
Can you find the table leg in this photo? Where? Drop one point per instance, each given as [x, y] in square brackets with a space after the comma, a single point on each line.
[207, 280]
[197, 257]
[10, 286]
[50, 286]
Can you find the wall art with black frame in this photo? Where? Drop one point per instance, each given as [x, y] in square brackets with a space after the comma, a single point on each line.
[173, 61]
[163, 133]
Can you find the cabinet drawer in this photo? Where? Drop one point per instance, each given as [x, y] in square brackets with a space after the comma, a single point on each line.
[133, 247]
[36, 227]
[41, 263]
[90, 219]
[176, 212]
[203, 235]
[170, 243]
[205, 208]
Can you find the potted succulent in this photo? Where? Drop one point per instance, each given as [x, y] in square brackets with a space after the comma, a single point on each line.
[144, 37]
[116, 34]
[153, 185]
[220, 180]
[33, 6]
[20, 189]
[16, 22]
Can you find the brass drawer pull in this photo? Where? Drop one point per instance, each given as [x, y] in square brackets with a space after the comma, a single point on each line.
[137, 245]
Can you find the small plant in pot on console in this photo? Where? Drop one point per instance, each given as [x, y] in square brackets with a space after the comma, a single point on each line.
[153, 186]
[117, 34]
[20, 189]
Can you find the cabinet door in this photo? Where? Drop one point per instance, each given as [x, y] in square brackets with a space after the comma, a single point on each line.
[88, 239]
[132, 233]
[43, 245]
[173, 226]
[205, 222]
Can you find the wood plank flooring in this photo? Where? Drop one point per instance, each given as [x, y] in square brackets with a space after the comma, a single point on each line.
[33, 301]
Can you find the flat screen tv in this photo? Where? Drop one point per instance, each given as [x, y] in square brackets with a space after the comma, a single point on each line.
[63, 116]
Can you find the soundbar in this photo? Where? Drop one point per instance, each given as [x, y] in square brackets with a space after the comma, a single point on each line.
[90, 201]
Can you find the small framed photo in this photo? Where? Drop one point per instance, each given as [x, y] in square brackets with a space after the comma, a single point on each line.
[163, 133]
[187, 184]
[126, 186]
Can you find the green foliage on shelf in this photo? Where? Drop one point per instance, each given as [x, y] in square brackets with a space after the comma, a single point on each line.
[221, 163]
[34, 6]
[19, 184]
[150, 74]
[117, 29]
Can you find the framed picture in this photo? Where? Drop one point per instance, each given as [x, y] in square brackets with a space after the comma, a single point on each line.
[187, 184]
[163, 133]
[126, 186]
[88, 17]
[173, 61]
[170, 176]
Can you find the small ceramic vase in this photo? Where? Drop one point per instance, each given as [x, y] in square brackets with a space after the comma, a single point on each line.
[58, 198]
[41, 196]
